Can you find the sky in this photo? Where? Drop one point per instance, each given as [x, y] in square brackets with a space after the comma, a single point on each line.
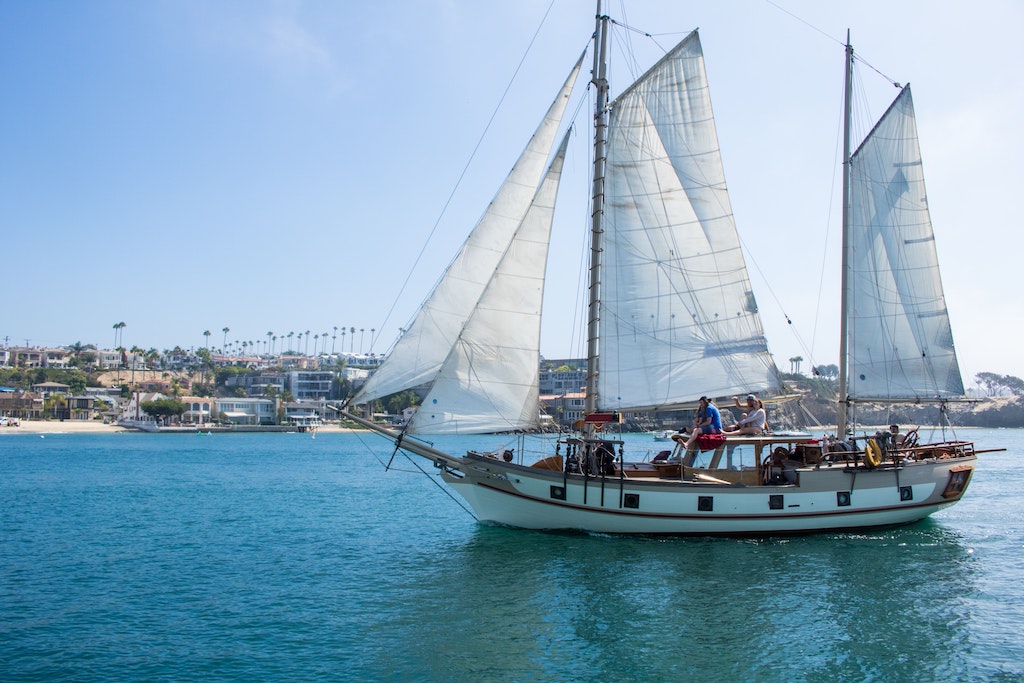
[284, 166]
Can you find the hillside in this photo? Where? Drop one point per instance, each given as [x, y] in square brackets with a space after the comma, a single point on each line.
[817, 402]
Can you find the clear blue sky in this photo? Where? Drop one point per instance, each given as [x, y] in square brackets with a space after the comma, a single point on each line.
[277, 166]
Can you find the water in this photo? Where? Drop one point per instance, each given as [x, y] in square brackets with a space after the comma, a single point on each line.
[278, 558]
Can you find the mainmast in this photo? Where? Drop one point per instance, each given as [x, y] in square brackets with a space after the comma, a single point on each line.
[842, 411]
[600, 81]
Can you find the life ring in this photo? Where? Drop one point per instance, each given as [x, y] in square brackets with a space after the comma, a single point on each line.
[872, 453]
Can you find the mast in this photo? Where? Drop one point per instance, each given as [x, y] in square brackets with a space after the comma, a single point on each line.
[844, 300]
[600, 81]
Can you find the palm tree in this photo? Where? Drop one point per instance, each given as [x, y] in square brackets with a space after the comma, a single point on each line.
[372, 330]
[307, 343]
[794, 364]
[267, 347]
[206, 333]
[352, 339]
[316, 338]
[362, 333]
[118, 327]
[273, 343]
[225, 331]
[334, 338]
[135, 354]
[290, 335]
[343, 340]
[299, 342]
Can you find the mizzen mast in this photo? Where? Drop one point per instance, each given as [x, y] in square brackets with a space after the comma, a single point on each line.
[842, 409]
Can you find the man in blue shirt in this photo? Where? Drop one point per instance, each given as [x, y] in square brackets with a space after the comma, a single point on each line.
[709, 421]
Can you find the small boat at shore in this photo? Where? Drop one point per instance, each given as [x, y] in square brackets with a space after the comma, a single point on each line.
[665, 251]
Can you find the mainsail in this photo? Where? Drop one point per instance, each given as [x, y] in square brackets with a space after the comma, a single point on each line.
[678, 316]
[489, 382]
[900, 343]
[419, 353]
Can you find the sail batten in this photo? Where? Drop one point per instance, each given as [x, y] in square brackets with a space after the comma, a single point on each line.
[900, 341]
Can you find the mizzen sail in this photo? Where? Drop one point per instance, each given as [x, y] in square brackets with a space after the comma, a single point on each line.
[900, 343]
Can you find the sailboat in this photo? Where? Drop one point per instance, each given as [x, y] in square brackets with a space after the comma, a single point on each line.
[672, 317]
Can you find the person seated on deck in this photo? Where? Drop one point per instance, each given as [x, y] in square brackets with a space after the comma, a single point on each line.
[709, 421]
[753, 421]
[908, 440]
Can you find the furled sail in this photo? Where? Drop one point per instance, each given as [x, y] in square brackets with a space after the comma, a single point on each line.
[900, 343]
[678, 316]
[489, 381]
[419, 353]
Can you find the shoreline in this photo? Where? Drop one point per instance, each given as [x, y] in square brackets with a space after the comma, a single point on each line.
[97, 427]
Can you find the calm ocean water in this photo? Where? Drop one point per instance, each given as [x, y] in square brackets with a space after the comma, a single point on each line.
[279, 557]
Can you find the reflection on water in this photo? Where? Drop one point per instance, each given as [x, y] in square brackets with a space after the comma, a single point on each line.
[881, 606]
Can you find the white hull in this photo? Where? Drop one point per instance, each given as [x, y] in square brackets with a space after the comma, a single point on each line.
[524, 497]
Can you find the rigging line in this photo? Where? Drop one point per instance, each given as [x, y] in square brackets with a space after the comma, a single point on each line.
[465, 170]
[833, 39]
[805, 23]
[651, 36]
[438, 485]
[828, 230]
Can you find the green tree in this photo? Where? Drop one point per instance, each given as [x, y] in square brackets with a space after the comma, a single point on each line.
[55, 405]
[163, 407]
[990, 381]
[829, 371]
[396, 403]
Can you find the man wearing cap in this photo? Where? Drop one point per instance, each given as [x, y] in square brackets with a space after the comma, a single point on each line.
[753, 421]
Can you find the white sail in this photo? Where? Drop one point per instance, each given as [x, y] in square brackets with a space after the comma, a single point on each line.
[900, 343]
[489, 382]
[419, 353]
[678, 316]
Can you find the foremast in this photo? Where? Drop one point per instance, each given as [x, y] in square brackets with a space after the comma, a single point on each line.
[600, 80]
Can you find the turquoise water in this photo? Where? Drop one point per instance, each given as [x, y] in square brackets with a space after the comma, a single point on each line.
[279, 558]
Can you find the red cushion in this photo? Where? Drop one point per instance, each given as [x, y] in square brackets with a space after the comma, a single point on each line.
[709, 442]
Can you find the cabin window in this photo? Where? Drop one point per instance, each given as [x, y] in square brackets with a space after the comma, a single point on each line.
[705, 503]
[842, 498]
[558, 492]
[631, 500]
[958, 478]
[775, 502]
[906, 493]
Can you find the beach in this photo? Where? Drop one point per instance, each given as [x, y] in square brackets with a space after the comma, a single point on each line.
[61, 427]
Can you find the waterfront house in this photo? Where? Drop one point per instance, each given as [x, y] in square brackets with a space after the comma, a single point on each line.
[48, 389]
[246, 411]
